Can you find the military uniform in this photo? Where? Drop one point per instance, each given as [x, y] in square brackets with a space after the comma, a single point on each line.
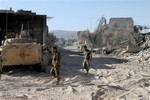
[87, 58]
[56, 65]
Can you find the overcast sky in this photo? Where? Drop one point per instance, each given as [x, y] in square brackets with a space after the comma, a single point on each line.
[82, 14]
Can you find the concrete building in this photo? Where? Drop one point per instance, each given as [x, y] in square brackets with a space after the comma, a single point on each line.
[121, 22]
[35, 25]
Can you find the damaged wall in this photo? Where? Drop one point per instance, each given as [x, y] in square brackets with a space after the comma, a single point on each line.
[121, 22]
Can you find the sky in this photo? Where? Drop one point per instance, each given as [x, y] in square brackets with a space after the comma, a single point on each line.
[78, 15]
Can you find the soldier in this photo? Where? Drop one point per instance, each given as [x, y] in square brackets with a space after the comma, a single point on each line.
[55, 70]
[87, 59]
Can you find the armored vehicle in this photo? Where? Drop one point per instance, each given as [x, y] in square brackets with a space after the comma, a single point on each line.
[22, 51]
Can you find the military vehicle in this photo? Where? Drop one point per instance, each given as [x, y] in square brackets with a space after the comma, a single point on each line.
[22, 51]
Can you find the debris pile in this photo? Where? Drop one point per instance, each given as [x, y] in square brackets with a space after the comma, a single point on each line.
[109, 37]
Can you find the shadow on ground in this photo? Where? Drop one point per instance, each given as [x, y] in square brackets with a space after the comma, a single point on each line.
[72, 64]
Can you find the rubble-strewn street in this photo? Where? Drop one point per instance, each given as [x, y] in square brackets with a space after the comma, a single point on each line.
[74, 49]
[125, 77]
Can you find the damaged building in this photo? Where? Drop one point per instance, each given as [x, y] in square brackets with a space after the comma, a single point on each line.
[34, 24]
[121, 22]
[119, 32]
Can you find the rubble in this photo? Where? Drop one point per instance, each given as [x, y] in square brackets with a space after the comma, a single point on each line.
[110, 35]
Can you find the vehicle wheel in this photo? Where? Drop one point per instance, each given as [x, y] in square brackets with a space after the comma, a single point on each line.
[1, 67]
[44, 62]
[43, 67]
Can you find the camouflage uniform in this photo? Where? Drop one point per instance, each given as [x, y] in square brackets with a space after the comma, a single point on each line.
[56, 65]
[87, 58]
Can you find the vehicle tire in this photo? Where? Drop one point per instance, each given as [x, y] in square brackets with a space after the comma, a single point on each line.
[1, 67]
[44, 62]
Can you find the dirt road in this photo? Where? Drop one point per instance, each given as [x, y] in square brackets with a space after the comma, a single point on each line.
[110, 78]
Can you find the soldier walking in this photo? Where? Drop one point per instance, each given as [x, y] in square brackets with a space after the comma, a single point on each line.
[55, 70]
[87, 59]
